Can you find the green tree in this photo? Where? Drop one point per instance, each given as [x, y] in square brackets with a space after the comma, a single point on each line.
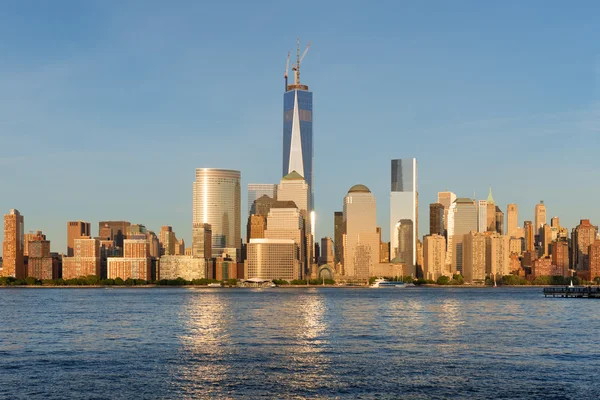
[443, 280]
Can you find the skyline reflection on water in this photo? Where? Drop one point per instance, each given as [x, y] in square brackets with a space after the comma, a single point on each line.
[297, 343]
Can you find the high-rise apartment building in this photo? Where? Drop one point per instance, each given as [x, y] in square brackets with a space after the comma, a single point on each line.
[13, 263]
[216, 201]
[75, 230]
[40, 264]
[153, 242]
[516, 245]
[298, 132]
[474, 257]
[168, 241]
[118, 230]
[201, 240]
[529, 236]
[497, 255]
[482, 222]
[462, 219]
[434, 256]
[338, 237]
[512, 220]
[582, 238]
[436, 219]
[135, 263]
[326, 251]
[540, 217]
[594, 260]
[403, 211]
[361, 248]
[85, 261]
[256, 191]
[27, 237]
[560, 256]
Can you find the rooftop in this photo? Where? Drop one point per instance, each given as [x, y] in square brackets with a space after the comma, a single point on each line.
[359, 189]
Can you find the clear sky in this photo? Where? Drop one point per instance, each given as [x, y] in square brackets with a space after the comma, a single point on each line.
[107, 107]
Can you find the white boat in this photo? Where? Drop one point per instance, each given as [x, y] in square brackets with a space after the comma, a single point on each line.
[214, 285]
[380, 282]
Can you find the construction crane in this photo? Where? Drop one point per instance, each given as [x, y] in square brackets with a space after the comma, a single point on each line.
[296, 67]
[287, 66]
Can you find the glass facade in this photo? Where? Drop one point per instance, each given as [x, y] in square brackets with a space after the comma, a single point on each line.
[256, 191]
[298, 136]
[403, 211]
[404, 175]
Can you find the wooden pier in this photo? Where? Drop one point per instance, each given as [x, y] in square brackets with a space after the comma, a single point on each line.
[577, 292]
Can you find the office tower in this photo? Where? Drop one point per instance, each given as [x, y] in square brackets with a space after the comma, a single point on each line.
[118, 229]
[474, 257]
[76, 229]
[105, 233]
[135, 263]
[361, 249]
[547, 239]
[294, 187]
[153, 242]
[27, 237]
[256, 191]
[13, 263]
[482, 222]
[436, 219]
[168, 242]
[540, 217]
[497, 255]
[262, 205]
[499, 221]
[529, 236]
[434, 256]
[403, 211]
[85, 261]
[516, 245]
[186, 267]
[202, 240]
[446, 199]
[560, 256]
[338, 235]
[326, 251]
[285, 221]
[555, 222]
[298, 131]
[594, 260]
[490, 212]
[180, 247]
[273, 259]
[462, 219]
[256, 227]
[512, 220]
[384, 252]
[582, 238]
[40, 264]
[216, 201]
[136, 230]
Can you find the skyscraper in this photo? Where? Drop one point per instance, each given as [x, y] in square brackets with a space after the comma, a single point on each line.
[361, 249]
[512, 220]
[326, 251]
[583, 237]
[201, 240]
[482, 222]
[118, 229]
[446, 199]
[436, 219]
[462, 219]
[529, 236]
[434, 256]
[298, 129]
[216, 201]
[85, 261]
[499, 221]
[13, 246]
[540, 217]
[75, 230]
[256, 191]
[403, 211]
[474, 257]
[40, 264]
[491, 212]
[338, 237]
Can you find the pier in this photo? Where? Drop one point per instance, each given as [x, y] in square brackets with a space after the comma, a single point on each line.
[578, 292]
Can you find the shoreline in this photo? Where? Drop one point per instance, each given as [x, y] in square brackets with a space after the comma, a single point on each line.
[153, 286]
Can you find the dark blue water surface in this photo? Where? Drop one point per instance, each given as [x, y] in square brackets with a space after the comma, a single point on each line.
[502, 343]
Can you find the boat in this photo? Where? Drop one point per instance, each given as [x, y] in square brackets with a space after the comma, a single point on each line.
[571, 284]
[380, 282]
[214, 285]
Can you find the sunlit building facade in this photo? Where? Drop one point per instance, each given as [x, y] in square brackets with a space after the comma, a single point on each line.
[85, 261]
[13, 263]
[512, 220]
[272, 259]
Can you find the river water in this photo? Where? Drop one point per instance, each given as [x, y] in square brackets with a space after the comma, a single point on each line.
[170, 343]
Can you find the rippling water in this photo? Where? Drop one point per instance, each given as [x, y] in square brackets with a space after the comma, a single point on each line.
[502, 343]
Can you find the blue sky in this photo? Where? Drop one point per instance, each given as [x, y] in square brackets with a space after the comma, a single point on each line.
[107, 107]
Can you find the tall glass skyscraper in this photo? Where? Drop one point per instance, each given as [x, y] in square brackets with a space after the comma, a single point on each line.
[403, 211]
[298, 134]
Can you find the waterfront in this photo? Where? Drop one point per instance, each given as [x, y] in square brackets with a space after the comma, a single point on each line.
[445, 342]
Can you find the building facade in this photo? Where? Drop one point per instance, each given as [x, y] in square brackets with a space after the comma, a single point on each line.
[272, 259]
[462, 219]
[40, 263]
[13, 263]
[403, 211]
[186, 267]
[256, 191]
[474, 257]
[497, 255]
[436, 219]
[583, 237]
[512, 220]
[85, 261]
[540, 217]
[116, 229]
[434, 256]
[75, 230]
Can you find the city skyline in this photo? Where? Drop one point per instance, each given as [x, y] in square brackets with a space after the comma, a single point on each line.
[46, 130]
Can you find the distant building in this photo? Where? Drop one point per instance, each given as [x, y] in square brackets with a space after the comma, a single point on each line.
[436, 219]
[560, 256]
[516, 245]
[338, 237]
[361, 247]
[434, 256]
[135, 263]
[543, 267]
[153, 242]
[326, 251]
[256, 191]
[273, 259]
[404, 211]
[27, 237]
[262, 205]
[85, 260]
[202, 240]
[482, 221]
[462, 219]
[186, 267]
[547, 239]
[594, 260]
[256, 227]
[75, 230]
[583, 237]
[285, 221]
[168, 241]
[512, 220]
[118, 230]
[136, 230]
[540, 218]
[40, 264]
[13, 263]
[499, 221]
[529, 236]
[474, 257]
[216, 201]
[491, 213]
[497, 255]
[446, 199]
